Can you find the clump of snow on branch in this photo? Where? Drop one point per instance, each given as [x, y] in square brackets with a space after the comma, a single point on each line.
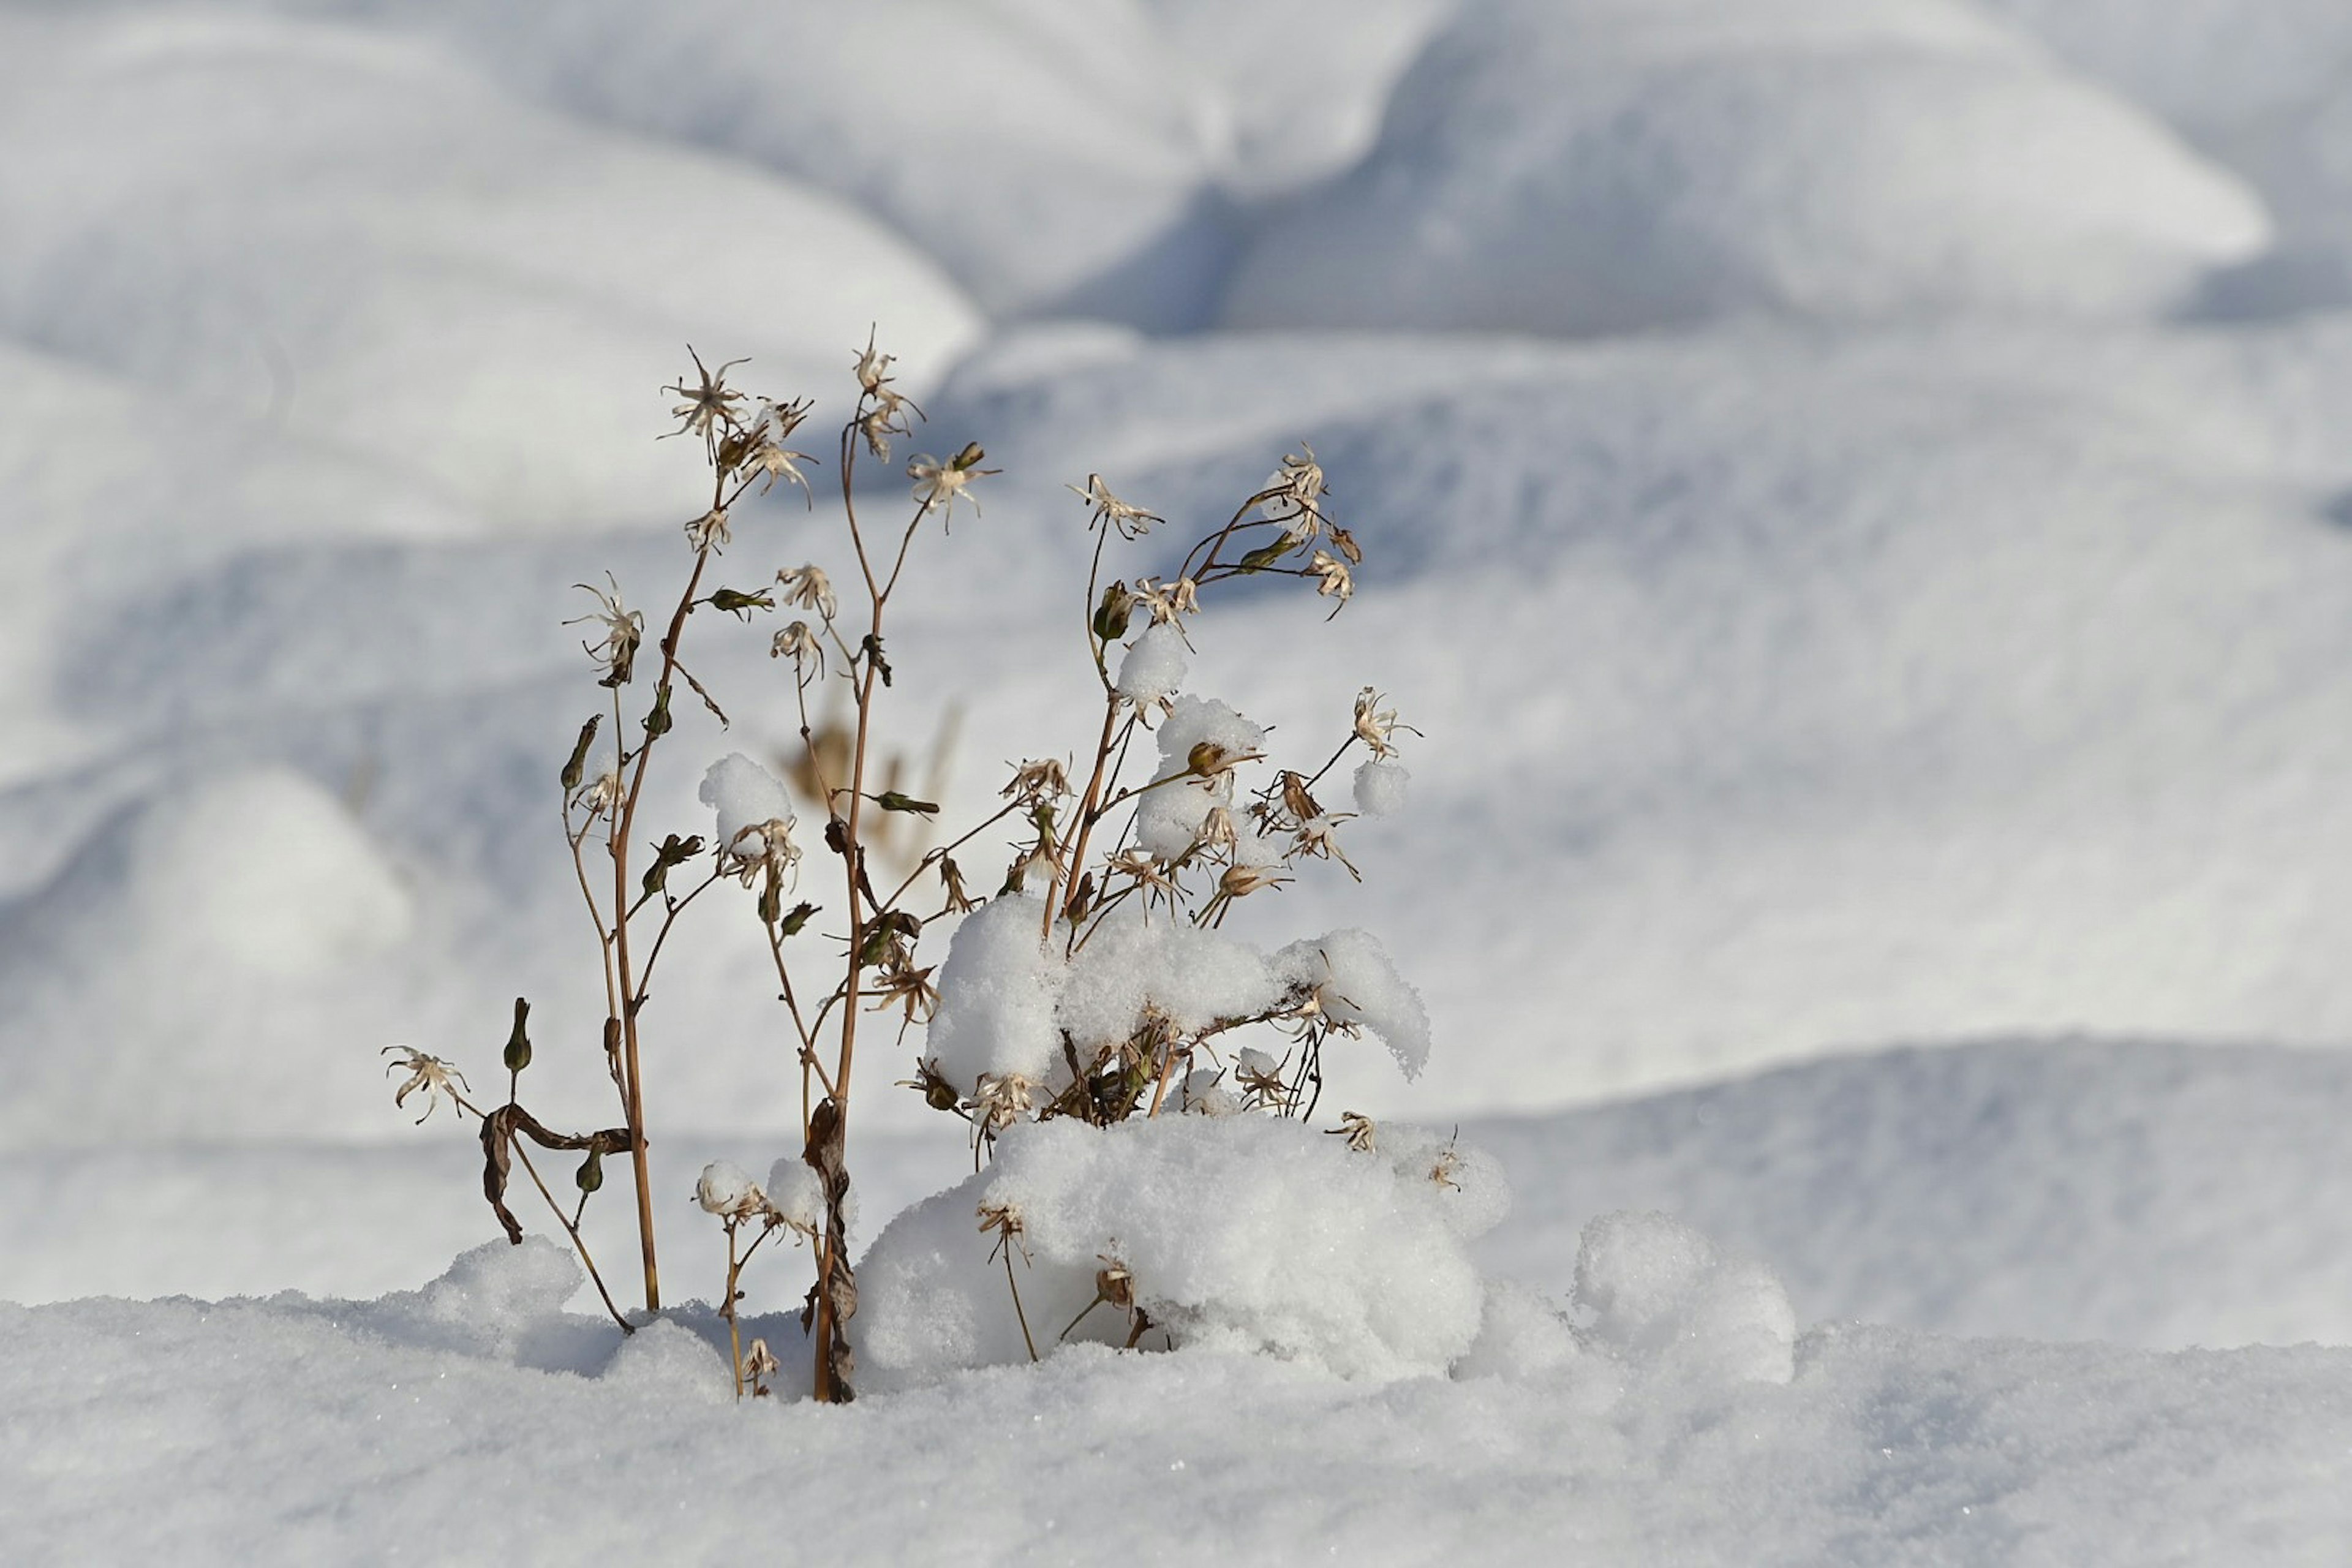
[1359, 987]
[1380, 789]
[1154, 666]
[746, 798]
[1169, 820]
[997, 994]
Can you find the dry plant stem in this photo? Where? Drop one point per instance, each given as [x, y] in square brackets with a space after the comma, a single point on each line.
[1017, 1311]
[623, 824]
[578, 1244]
[571, 1226]
[831, 1244]
[1090, 809]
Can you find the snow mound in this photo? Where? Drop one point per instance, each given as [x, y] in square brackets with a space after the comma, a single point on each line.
[348, 235]
[252, 1432]
[2211, 65]
[1662, 1292]
[260, 868]
[1242, 1233]
[1605, 165]
[169, 930]
[2140, 1191]
[1049, 153]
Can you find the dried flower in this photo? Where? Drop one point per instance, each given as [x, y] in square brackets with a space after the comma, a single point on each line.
[1260, 1077]
[1038, 781]
[1166, 601]
[759, 1363]
[1146, 873]
[1003, 1099]
[710, 531]
[799, 644]
[901, 985]
[1359, 1130]
[768, 456]
[1005, 1219]
[762, 847]
[1338, 581]
[600, 794]
[708, 403]
[625, 630]
[1314, 840]
[430, 1074]
[1132, 521]
[941, 485]
[1290, 497]
[887, 416]
[1374, 726]
[810, 588]
[874, 369]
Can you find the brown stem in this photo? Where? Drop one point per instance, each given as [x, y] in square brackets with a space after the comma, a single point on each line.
[624, 822]
[1087, 811]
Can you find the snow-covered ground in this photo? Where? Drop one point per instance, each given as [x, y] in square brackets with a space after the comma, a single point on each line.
[1856, 496]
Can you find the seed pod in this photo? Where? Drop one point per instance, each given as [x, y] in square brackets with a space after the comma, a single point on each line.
[1111, 615]
[739, 602]
[1207, 759]
[591, 1173]
[519, 1043]
[657, 721]
[576, 768]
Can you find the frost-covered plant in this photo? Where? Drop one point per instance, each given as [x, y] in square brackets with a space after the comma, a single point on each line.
[1096, 986]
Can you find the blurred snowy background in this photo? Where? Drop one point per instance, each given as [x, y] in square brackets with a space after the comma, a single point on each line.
[1858, 494]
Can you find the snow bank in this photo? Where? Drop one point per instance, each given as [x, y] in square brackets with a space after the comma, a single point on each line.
[1049, 153]
[1607, 166]
[173, 920]
[353, 238]
[2214, 66]
[282, 1431]
[2139, 1192]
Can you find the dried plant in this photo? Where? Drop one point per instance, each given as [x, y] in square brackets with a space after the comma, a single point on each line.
[1095, 845]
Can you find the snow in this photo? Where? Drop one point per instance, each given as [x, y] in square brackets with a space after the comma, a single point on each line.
[1854, 508]
[1307, 1253]
[1611, 166]
[745, 798]
[1380, 787]
[1152, 669]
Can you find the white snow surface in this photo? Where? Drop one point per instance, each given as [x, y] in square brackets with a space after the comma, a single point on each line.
[1856, 517]
[1619, 164]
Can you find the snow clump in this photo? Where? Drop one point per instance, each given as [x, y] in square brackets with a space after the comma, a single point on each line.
[1006, 1002]
[1380, 789]
[1248, 1235]
[1169, 820]
[997, 991]
[1154, 666]
[746, 796]
[1359, 988]
[1663, 1295]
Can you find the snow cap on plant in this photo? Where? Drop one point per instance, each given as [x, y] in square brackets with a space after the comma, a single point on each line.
[728, 1192]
